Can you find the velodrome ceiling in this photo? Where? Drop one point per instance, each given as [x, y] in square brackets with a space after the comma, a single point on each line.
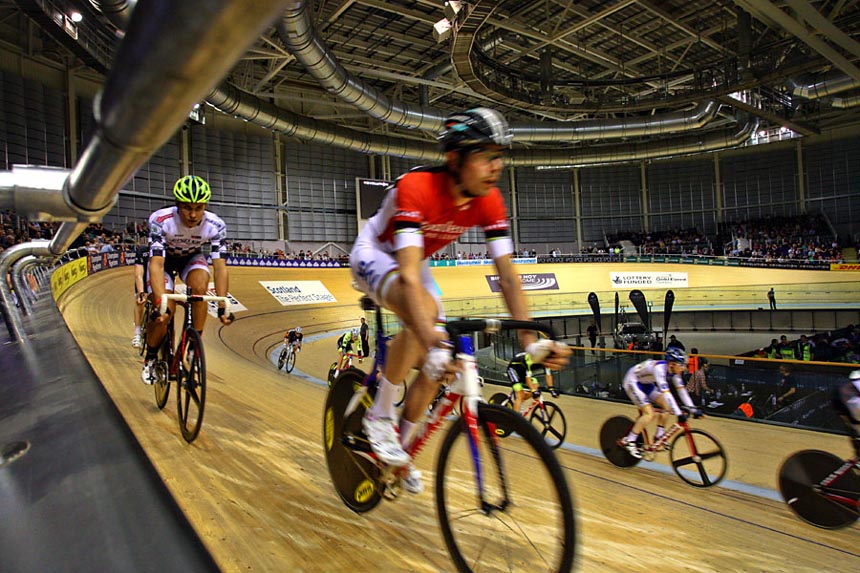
[792, 63]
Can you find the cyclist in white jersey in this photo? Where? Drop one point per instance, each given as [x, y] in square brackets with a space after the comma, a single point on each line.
[177, 235]
[646, 383]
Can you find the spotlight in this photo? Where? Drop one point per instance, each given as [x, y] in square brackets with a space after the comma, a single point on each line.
[76, 16]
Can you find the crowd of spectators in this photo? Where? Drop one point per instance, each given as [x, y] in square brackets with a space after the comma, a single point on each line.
[672, 242]
[802, 238]
[842, 345]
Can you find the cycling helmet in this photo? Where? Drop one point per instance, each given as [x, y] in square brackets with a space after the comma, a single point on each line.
[676, 355]
[475, 127]
[298, 330]
[354, 333]
[192, 189]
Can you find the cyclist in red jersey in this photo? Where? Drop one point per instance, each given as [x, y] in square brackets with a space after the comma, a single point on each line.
[425, 210]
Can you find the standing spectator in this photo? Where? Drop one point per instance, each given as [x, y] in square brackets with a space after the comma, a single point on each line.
[786, 389]
[773, 350]
[592, 335]
[675, 343]
[804, 348]
[362, 332]
[786, 349]
[771, 298]
[698, 384]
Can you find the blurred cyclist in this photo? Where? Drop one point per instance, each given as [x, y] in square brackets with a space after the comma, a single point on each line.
[846, 402]
[521, 369]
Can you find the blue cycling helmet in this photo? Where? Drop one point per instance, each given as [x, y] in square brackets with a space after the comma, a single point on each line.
[676, 355]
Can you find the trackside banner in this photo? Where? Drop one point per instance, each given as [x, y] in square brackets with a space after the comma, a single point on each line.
[298, 292]
[648, 280]
[844, 267]
[536, 281]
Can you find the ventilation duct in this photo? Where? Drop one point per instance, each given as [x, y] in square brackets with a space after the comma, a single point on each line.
[297, 32]
[828, 86]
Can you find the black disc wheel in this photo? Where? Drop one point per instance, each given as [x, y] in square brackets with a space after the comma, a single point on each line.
[611, 432]
[513, 511]
[331, 373]
[698, 458]
[191, 386]
[828, 506]
[355, 477]
[550, 423]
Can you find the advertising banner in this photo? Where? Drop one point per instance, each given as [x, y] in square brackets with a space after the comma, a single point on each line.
[648, 280]
[535, 281]
[235, 306]
[298, 292]
[67, 275]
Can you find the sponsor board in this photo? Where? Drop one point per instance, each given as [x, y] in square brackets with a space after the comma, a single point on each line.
[65, 276]
[479, 262]
[845, 267]
[280, 263]
[235, 305]
[298, 292]
[535, 281]
[648, 280]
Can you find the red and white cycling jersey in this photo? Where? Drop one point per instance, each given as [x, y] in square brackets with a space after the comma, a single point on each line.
[169, 237]
[419, 211]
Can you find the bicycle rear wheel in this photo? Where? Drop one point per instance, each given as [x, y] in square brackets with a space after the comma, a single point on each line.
[291, 360]
[550, 423]
[355, 478]
[191, 386]
[161, 386]
[524, 518]
[799, 483]
[613, 430]
[698, 458]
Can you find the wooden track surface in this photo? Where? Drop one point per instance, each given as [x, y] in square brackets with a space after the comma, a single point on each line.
[256, 488]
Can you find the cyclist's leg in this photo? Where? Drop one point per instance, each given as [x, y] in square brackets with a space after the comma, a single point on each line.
[195, 275]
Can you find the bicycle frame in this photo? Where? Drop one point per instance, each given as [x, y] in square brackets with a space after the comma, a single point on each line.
[838, 473]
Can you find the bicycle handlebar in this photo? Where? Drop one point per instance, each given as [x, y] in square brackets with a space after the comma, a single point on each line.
[162, 308]
[491, 325]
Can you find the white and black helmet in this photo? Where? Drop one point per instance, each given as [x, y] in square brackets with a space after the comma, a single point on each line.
[475, 127]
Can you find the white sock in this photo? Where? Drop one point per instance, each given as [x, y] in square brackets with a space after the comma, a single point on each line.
[407, 428]
[632, 437]
[659, 433]
[137, 331]
[386, 395]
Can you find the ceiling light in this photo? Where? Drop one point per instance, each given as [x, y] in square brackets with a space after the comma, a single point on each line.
[76, 16]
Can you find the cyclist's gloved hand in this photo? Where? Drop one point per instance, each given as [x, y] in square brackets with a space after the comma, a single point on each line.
[554, 392]
[437, 362]
[536, 394]
[540, 349]
[222, 314]
[682, 417]
[697, 413]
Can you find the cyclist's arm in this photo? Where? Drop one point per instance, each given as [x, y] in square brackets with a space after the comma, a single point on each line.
[138, 279]
[222, 280]
[156, 274]
[512, 292]
[682, 391]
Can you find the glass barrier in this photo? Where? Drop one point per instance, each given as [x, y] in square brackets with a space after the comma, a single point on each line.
[749, 388]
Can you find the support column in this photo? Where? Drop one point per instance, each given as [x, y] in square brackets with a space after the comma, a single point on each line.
[718, 189]
[515, 215]
[577, 207]
[184, 153]
[643, 185]
[71, 118]
[801, 180]
[281, 192]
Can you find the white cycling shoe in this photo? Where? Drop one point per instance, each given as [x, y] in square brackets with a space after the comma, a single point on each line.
[136, 341]
[384, 439]
[412, 482]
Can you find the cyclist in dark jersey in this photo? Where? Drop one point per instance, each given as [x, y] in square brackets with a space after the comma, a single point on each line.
[424, 211]
[846, 402]
[522, 369]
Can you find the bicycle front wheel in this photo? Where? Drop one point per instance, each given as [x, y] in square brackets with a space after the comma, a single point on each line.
[830, 507]
[291, 360]
[282, 359]
[698, 458]
[503, 508]
[550, 423]
[191, 386]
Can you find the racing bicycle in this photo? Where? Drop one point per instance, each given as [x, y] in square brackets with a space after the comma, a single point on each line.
[185, 364]
[287, 357]
[486, 493]
[334, 371]
[697, 457]
[546, 417]
[821, 489]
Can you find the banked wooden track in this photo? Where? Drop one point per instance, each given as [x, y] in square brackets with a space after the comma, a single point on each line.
[256, 488]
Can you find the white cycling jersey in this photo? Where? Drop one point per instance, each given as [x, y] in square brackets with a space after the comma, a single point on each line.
[647, 380]
[169, 237]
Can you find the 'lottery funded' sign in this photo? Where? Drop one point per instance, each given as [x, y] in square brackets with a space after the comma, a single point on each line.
[648, 280]
[536, 281]
[298, 292]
